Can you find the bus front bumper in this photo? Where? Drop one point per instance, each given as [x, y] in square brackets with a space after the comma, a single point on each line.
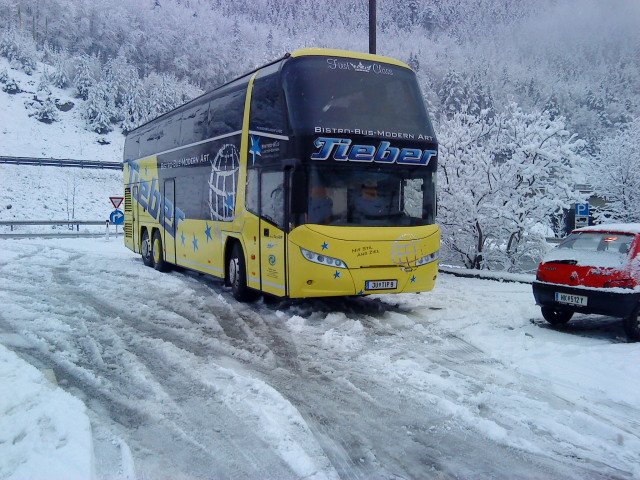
[324, 281]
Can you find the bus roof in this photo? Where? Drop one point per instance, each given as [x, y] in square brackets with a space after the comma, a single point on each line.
[348, 54]
[302, 52]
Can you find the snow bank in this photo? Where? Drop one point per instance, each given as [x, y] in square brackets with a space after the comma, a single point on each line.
[44, 431]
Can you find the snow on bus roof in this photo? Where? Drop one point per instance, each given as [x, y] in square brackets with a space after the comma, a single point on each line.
[612, 227]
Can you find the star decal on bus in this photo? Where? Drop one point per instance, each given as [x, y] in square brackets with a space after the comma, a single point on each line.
[207, 232]
[413, 279]
[182, 238]
[325, 245]
[195, 243]
[336, 275]
[255, 149]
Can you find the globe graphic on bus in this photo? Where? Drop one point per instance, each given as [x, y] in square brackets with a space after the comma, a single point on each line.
[405, 250]
[222, 183]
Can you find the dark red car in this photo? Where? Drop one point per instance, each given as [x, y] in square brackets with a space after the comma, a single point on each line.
[594, 270]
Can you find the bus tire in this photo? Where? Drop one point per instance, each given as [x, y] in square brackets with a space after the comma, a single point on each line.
[145, 249]
[156, 252]
[237, 275]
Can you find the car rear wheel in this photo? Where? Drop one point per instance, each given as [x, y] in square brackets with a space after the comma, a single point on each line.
[556, 316]
[632, 326]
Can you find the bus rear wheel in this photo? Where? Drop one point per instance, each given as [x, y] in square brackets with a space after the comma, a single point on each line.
[157, 254]
[145, 248]
[237, 276]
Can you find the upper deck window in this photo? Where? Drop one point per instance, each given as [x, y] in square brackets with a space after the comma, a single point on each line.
[357, 96]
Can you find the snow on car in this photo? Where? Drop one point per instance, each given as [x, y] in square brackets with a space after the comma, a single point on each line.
[594, 270]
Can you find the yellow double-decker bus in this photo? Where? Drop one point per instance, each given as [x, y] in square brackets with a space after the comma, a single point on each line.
[312, 176]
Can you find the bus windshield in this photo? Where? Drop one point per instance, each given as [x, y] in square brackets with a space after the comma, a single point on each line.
[365, 196]
[355, 96]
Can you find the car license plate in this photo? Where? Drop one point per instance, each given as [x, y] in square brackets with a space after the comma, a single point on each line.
[380, 284]
[570, 299]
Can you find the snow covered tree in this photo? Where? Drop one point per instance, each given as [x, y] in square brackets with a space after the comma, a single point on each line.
[20, 50]
[46, 111]
[86, 75]
[616, 175]
[501, 179]
[60, 74]
[99, 108]
[467, 185]
[539, 162]
[135, 107]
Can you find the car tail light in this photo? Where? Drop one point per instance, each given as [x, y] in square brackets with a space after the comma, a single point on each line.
[620, 283]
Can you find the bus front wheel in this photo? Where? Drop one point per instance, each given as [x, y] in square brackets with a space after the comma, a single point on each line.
[145, 248]
[237, 276]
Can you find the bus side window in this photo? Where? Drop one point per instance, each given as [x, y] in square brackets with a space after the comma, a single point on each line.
[226, 112]
[168, 133]
[193, 124]
[131, 148]
[267, 107]
[148, 142]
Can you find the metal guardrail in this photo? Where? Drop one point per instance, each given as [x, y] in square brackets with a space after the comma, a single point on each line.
[70, 223]
[61, 162]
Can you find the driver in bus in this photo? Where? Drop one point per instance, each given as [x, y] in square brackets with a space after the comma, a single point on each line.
[320, 205]
[370, 202]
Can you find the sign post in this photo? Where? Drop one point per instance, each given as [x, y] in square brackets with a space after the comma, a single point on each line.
[117, 216]
[582, 215]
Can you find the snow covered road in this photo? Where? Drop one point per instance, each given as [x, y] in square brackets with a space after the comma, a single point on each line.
[182, 381]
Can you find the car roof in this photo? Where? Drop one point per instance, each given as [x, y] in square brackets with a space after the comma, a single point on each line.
[633, 228]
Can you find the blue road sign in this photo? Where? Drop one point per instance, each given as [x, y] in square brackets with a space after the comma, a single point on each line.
[582, 209]
[116, 217]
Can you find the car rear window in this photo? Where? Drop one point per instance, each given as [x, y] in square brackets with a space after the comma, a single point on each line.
[593, 249]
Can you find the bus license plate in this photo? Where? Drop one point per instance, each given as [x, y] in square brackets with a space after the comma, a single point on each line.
[571, 299]
[380, 284]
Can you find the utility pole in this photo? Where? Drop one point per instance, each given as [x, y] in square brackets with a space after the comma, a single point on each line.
[372, 26]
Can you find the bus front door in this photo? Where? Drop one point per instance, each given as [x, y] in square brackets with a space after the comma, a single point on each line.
[272, 235]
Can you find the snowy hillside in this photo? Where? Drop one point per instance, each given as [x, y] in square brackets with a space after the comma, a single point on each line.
[24, 136]
[46, 192]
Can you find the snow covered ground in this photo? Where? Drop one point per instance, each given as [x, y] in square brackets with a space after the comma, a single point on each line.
[32, 192]
[53, 193]
[181, 381]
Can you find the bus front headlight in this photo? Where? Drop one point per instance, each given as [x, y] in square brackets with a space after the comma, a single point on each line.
[432, 257]
[322, 259]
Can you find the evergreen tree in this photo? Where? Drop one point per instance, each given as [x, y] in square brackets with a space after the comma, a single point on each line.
[99, 108]
[85, 75]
